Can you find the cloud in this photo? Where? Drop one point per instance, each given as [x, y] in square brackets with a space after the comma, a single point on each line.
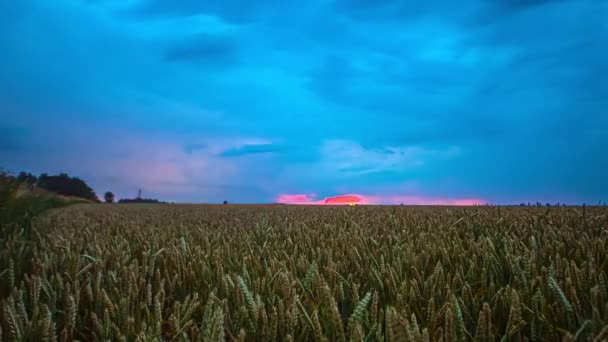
[159, 165]
[191, 148]
[349, 157]
[303, 199]
[463, 12]
[231, 10]
[376, 200]
[425, 200]
[523, 4]
[206, 49]
[406, 86]
[468, 99]
[295, 199]
[249, 149]
[389, 9]
[344, 199]
[162, 167]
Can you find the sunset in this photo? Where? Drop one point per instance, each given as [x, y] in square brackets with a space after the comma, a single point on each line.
[374, 200]
[294, 171]
[197, 101]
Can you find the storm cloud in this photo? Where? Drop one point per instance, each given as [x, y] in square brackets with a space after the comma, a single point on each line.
[502, 101]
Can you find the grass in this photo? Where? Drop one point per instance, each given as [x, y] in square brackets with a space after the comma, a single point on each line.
[19, 204]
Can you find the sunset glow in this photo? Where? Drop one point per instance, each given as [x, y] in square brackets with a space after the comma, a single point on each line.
[303, 199]
[344, 199]
[310, 102]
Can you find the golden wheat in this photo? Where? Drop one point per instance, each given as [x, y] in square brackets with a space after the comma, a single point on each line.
[285, 273]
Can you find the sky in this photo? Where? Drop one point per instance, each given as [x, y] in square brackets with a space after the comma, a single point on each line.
[416, 102]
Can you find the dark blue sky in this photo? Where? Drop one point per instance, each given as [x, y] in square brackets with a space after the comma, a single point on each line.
[193, 100]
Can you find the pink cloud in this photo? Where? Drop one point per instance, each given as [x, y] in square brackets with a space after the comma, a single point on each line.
[375, 199]
[310, 199]
[295, 199]
[344, 199]
[423, 200]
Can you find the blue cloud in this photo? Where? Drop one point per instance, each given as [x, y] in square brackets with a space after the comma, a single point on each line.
[251, 149]
[170, 87]
[191, 148]
[205, 49]
[231, 10]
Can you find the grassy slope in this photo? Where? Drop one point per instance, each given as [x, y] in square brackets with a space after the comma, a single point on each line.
[19, 204]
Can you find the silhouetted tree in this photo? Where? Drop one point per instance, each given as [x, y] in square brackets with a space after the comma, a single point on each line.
[8, 183]
[108, 197]
[26, 178]
[67, 186]
[138, 200]
[225, 202]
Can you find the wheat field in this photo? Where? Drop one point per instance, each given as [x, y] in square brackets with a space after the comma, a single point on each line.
[296, 273]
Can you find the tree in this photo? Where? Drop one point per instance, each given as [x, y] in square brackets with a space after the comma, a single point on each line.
[26, 178]
[67, 186]
[108, 197]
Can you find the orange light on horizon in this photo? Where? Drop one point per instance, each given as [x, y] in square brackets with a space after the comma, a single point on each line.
[344, 199]
[352, 199]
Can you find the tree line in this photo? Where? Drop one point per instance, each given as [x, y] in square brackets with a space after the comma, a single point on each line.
[65, 185]
[61, 184]
[21, 198]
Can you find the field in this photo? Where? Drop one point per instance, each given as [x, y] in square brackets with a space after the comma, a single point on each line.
[282, 273]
